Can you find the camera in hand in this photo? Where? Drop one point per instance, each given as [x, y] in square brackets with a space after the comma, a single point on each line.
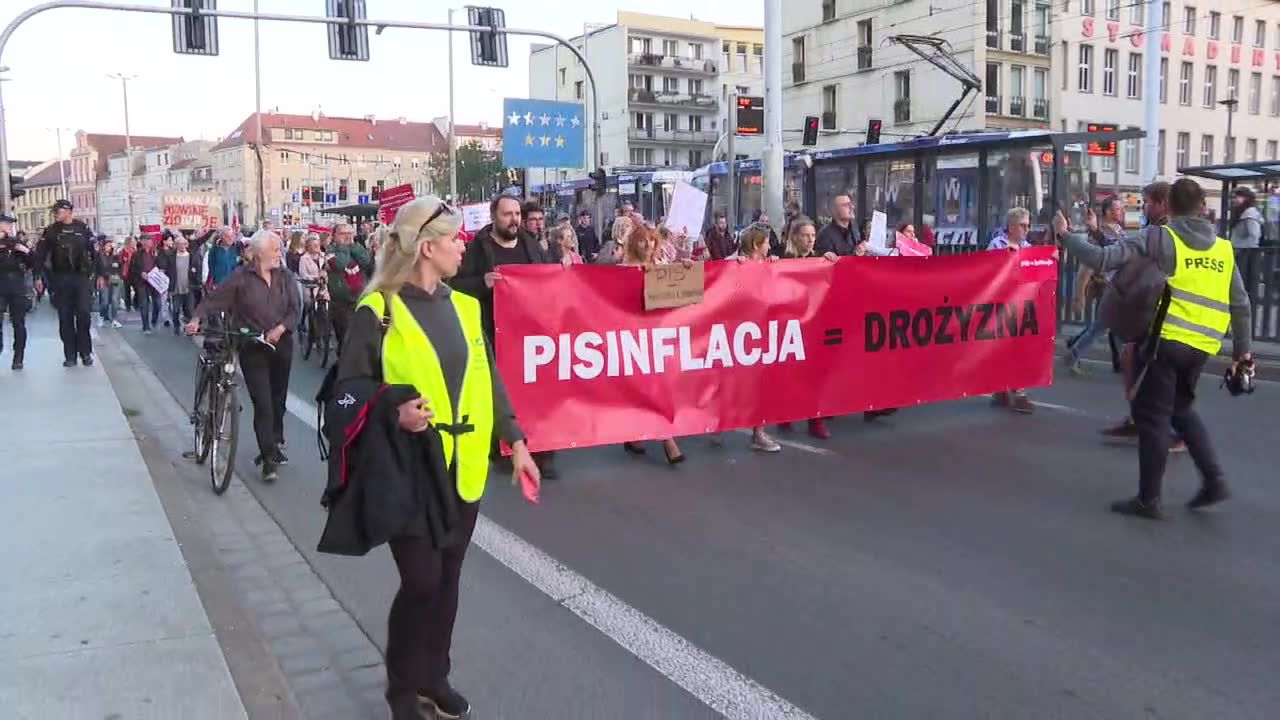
[1238, 379]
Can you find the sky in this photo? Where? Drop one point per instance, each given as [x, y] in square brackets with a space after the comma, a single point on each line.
[59, 61]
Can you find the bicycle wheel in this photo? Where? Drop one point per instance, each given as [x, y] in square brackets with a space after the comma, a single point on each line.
[201, 414]
[224, 435]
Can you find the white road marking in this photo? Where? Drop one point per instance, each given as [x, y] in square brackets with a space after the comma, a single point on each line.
[1059, 408]
[707, 678]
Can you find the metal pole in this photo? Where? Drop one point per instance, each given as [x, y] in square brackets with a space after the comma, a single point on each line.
[377, 25]
[731, 197]
[772, 187]
[453, 141]
[4, 145]
[257, 116]
[62, 171]
[128, 149]
[1151, 93]
[1231, 112]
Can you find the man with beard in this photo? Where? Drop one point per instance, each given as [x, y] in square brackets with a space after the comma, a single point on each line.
[502, 242]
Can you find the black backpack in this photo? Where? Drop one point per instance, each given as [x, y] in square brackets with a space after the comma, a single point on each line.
[326, 393]
[1133, 298]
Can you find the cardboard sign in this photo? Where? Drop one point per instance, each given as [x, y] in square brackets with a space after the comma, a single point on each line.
[475, 216]
[392, 199]
[672, 286]
[158, 280]
[195, 212]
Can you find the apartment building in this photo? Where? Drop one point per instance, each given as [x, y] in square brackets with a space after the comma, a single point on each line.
[145, 176]
[43, 185]
[1211, 53]
[338, 160]
[89, 161]
[489, 138]
[660, 90]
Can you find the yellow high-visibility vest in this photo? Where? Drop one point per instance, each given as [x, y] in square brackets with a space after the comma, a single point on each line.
[408, 358]
[1199, 295]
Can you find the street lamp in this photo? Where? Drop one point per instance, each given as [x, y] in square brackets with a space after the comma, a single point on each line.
[1231, 104]
[128, 142]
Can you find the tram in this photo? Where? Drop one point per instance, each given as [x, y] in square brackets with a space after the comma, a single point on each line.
[650, 191]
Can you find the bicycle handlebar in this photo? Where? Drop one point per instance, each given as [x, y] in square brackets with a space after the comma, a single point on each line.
[242, 334]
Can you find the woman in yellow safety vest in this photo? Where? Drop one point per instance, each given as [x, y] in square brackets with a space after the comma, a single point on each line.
[431, 337]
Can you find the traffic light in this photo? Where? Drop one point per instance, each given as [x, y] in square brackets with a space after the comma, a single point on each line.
[347, 41]
[195, 34]
[342, 193]
[488, 48]
[375, 193]
[306, 195]
[873, 131]
[597, 180]
[810, 130]
[15, 187]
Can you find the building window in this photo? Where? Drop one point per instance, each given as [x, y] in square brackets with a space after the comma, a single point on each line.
[1255, 93]
[1260, 33]
[1017, 30]
[1109, 60]
[1113, 9]
[1164, 80]
[828, 10]
[695, 51]
[742, 57]
[670, 47]
[1136, 13]
[670, 122]
[1273, 146]
[829, 107]
[695, 123]
[1166, 14]
[670, 157]
[284, 183]
[1251, 150]
[1233, 83]
[1210, 86]
[362, 185]
[1184, 84]
[1086, 7]
[1229, 150]
[670, 85]
[1134, 84]
[1189, 20]
[577, 90]
[1017, 102]
[1086, 69]
[902, 96]
[1160, 154]
[1066, 65]
[284, 157]
[1130, 155]
[288, 134]
[639, 121]
[1215, 25]
[695, 87]
[1275, 96]
[724, 56]
[564, 76]
[1237, 30]
[1040, 94]
[1206, 150]
[993, 24]
[757, 53]
[864, 45]
[1042, 30]
[641, 46]
[695, 158]
[1183, 151]
[797, 59]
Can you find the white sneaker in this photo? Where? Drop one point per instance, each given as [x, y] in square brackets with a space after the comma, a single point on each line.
[99, 323]
[764, 443]
[116, 324]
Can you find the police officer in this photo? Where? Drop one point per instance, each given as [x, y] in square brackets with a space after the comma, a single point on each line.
[67, 253]
[1204, 297]
[16, 260]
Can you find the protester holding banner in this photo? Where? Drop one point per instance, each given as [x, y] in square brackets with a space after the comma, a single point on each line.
[839, 236]
[413, 332]
[753, 246]
[1014, 239]
[719, 241]
[611, 253]
[533, 222]
[802, 236]
[565, 245]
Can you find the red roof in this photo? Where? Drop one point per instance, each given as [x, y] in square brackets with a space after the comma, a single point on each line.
[351, 132]
[48, 176]
[477, 131]
[183, 164]
[108, 145]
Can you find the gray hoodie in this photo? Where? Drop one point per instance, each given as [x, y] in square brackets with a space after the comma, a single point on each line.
[1194, 231]
[1247, 233]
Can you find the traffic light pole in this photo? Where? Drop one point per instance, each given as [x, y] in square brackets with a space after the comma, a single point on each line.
[377, 25]
[731, 197]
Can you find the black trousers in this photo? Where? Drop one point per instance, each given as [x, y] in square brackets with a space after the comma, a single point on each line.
[1166, 395]
[180, 307]
[266, 377]
[340, 318]
[420, 624]
[73, 297]
[16, 303]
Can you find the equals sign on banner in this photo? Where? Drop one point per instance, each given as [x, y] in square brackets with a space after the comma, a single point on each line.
[832, 336]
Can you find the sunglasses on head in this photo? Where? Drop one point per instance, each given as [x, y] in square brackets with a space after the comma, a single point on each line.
[440, 210]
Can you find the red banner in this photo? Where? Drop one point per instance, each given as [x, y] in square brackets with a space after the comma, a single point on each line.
[770, 342]
[391, 200]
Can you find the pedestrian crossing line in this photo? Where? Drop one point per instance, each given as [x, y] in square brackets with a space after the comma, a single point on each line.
[702, 675]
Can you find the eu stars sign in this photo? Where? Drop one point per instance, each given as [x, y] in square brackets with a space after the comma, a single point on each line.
[542, 133]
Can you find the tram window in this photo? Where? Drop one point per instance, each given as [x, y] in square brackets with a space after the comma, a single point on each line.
[749, 198]
[840, 178]
[1020, 178]
[951, 202]
[891, 189]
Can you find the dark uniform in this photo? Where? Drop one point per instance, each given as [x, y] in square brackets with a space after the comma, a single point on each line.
[67, 255]
[14, 299]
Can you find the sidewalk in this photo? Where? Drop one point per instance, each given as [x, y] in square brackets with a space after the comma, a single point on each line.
[101, 617]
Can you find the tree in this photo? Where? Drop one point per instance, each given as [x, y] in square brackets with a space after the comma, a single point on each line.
[480, 173]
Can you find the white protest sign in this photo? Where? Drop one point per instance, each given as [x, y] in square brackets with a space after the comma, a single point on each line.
[158, 280]
[879, 230]
[688, 209]
[475, 216]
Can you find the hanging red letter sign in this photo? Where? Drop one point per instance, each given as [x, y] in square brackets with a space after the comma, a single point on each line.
[770, 342]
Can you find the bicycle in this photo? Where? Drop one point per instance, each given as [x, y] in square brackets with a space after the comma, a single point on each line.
[319, 332]
[216, 411]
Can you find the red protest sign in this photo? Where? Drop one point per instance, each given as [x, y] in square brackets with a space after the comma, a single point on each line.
[393, 199]
[769, 343]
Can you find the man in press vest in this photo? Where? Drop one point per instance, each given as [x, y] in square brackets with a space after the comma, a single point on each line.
[1203, 297]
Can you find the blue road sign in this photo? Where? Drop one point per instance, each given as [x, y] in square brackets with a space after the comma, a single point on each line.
[297, 197]
[362, 199]
[542, 133]
[331, 197]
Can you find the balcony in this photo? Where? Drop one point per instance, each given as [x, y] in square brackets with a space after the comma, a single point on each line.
[671, 99]
[828, 121]
[1017, 106]
[797, 72]
[1017, 42]
[1042, 45]
[682, 137]
[864, 57]
[993, 38]
[902, 110]
[644, 59]
[993, 104]
[1040, 109]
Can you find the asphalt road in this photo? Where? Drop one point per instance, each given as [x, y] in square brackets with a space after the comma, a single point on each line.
[951, 561]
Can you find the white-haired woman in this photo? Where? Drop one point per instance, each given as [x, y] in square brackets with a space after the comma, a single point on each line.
[1013, 239]
[261, 296]
[410, 329]
[612, 252]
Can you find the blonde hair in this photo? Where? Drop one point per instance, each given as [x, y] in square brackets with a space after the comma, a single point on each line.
[793, 234]
[558, 233]
[296, 241]
[622, 227]
[402, 244]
